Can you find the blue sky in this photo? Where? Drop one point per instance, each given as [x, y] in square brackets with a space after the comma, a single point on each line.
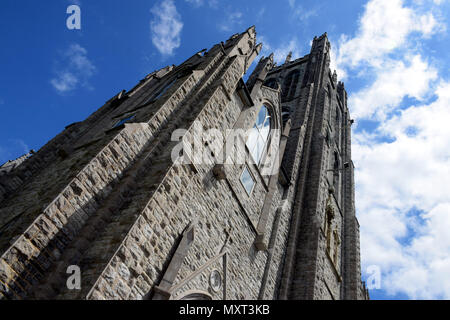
[393, 56]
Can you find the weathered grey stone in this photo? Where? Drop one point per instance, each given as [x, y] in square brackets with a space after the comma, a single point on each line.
[112, 200]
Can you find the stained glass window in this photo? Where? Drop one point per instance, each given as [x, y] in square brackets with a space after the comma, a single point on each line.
[259, 134]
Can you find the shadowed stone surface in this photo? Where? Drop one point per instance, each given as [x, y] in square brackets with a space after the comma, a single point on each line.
[106, 195]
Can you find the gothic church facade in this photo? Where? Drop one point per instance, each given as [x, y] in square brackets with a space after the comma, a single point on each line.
[110, 198]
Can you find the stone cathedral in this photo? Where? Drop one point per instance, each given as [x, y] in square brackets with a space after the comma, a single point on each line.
[119, 206]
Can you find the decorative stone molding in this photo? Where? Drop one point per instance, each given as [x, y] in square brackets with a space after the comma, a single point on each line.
[215, 280]
[162, 292]
[221, 256]
[261, 228]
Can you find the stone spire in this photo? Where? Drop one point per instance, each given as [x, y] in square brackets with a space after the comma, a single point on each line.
[334, 77]
[289, 57]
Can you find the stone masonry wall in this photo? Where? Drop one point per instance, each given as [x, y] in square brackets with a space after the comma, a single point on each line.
[210, 210]
[116, 200]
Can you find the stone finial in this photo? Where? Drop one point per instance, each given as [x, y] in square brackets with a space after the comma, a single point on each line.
[289, 57]
[258, 48]
[271, 63]
[334, 77]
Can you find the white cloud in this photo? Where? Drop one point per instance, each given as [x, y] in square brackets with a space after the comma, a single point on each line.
[199, 3]
[403, 165]
[166, 27]
[300, 13]
[232, 20]
[426, 2]
[396, 80]
[280, 52]
[23, 145]
[65, 82]
[384, 27]
[341, 71]
[397, 180]
[73, 69]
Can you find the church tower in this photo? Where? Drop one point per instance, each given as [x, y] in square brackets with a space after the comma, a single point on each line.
[322, 258]
[193, 185]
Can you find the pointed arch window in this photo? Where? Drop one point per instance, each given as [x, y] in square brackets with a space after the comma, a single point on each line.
[259, 134]
[336, 172]
[329, 103]
[290, 84]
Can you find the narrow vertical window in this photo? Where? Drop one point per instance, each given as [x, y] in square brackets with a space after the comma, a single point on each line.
[338, 127]
[329, 103]
[290, 85]
[337, 242]
[336, 172]
[329, 216]
[259, 135]
[247, 181]
[164, 90]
